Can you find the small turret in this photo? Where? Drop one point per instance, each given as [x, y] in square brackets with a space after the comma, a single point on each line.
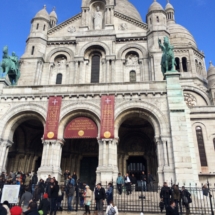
[211, 76]
[170, 12]
[156, 17]
[53, 18]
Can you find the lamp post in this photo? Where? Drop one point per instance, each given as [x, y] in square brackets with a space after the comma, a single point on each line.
[142, 197]
[210, 196]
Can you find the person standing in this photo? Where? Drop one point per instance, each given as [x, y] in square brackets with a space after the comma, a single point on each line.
[119, 183]
[87, 199]
[66, 175]
[25, 199]
[70, 194]
[99, 198]
[74, 176]
[54, 189]
[34, 181]
[127, 183]
[109, 193]
[186, 200]
[150, 181]
[165, 194]
[143, 180]
[133, 182]
[176, 197]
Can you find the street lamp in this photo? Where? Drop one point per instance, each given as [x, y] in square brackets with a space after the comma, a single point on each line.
[210, 196]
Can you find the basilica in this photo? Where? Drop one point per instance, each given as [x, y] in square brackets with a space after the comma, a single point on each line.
[92, 99]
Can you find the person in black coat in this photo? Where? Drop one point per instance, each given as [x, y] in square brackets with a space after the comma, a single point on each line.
[74, 176]
[44, 204]
[127, 180]
[171, 210]
[34, 181]
[186, 196]
[54, 189]
[100, 198]
[3, 210]
[166, 194]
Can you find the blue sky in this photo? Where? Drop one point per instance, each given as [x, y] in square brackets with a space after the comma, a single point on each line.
[198, 16]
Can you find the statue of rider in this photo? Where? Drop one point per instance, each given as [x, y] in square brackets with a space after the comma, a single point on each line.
[15, 59]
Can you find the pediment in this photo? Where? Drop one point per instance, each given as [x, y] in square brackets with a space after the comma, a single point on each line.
[66, 28]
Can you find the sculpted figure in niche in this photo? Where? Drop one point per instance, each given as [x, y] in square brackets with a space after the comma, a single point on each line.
[98, 19]
[132, 59]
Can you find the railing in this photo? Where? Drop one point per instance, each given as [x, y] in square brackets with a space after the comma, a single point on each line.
[201, 204]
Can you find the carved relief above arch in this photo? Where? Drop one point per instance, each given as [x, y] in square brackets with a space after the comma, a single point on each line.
[59, 51]
[142, 52]
[197, 91]
[87, 110]
[103, 45]
[18, 115]
[145, 110]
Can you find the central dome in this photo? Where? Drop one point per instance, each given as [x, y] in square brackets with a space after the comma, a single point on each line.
[125, 7]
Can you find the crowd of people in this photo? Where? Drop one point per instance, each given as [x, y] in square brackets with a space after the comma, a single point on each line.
[39, 197]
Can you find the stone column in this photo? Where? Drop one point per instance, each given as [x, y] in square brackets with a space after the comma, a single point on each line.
[76, 75]
[108, 72]
[4, 146]
[51, 159]
[112, 78]
[103, 78]
[107, 169]
[81, 73]
[141, 62]
[180, 65]
[160, 160]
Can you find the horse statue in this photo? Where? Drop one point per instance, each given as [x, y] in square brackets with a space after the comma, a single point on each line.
[168, 59]
[10, 66]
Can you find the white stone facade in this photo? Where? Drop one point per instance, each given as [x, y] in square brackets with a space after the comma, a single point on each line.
[174, 106]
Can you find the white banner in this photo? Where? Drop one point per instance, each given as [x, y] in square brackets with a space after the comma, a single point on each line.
[10, 193]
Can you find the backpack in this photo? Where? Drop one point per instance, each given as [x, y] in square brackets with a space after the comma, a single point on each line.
[112, 211]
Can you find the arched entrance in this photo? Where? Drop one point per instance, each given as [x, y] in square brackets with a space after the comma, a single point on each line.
[137, 149]
[80, 151]
[26, 151]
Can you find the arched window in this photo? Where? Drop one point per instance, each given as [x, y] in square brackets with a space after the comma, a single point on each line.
[158, 19]
[44, 27]
[200, 68]
[184, 64]
[132, 76]
[95, 69]
[32, 50]
[197, 66]
[177, 67]
[37, 26]
[59, 78]
[150, 20]
[214, 142]
[201, 146]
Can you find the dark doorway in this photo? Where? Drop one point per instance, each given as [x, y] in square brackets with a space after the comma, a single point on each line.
[88, 170]
[135, 165]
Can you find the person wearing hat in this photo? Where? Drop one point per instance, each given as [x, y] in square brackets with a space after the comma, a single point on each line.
[87, 199]
[16, 210]
[44, 204]
[6, 205]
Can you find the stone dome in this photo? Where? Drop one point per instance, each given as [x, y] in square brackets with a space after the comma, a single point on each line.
[211, 70]
[43, 14]
[127, 8]
[53, 14]
[155, 6]
[169, 6]
[180, 35]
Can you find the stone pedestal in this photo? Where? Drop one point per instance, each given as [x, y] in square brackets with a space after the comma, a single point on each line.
[107, 170]
[51, 159]
[185, 164]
